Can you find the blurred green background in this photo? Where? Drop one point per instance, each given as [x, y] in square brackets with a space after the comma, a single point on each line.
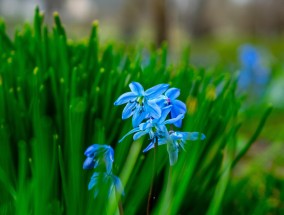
[57, 79]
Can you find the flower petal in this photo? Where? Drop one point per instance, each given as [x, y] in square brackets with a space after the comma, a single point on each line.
[164, 114]
[181, 144]
[172, 93]
[161, 101]
[193, 136]
[174, 113]
[109, 158]
[162, 141]
[172, 121]
[145, 125]
[156, 91]
[118, 185]
[178, 123]
[94, 180]
[173, 156]
[150, 146]
[162, 129]
[89, 163]
[125, 97]
[128, 110]
[91, 150]
[139, 134]
[110, 153]
[153, 109]
[138, 117]
[130, 132]
[173, 152]
[136, 88]
[108, 166]
[179, 106]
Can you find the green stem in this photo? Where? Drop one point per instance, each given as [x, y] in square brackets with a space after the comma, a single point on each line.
[151, 196]
[120, 207]
[168, 195]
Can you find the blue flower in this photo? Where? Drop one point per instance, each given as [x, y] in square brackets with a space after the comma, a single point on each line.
[139, 103]
[253, 75]
[249, 56]
[174, 141]
[109, 181]
[96, 154]
[178, 107]
[154, 127]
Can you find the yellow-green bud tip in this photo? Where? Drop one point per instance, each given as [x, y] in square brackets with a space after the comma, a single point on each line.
[41, 14]
[35, 70]
[96, 23]
[55, 14]
[102, 70]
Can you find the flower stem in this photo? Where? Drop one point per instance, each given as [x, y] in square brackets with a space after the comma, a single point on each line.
[151, 196]
[120, 207]
[167, 197]
[169, 190]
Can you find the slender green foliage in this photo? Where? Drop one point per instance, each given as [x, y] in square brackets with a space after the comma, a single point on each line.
[56, 98]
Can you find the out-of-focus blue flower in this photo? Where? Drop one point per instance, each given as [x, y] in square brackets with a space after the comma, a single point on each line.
[97, 154]
[109, 181]
[174, 141]
[139, 103]
[249, 56]
[253, 74]
[177, 106]
[154, 127]
[146, 59]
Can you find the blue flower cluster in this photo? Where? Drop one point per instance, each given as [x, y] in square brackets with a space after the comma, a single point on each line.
[254, 76]
[151, 111]
[102, 157]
